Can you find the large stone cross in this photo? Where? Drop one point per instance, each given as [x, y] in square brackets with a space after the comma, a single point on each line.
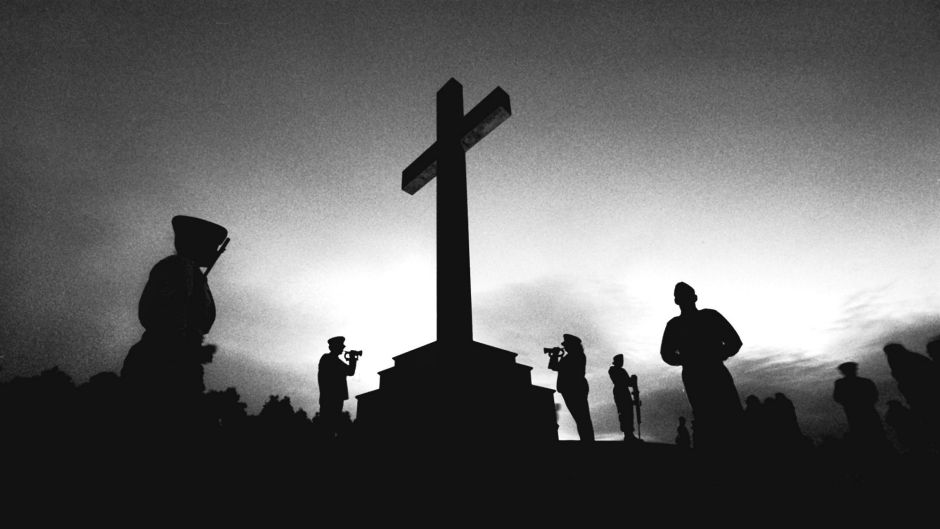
[446, 158]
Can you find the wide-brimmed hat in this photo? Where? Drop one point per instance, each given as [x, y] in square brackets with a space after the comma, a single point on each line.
[847, 367]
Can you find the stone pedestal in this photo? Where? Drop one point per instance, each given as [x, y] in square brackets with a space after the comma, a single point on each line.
[439, 394]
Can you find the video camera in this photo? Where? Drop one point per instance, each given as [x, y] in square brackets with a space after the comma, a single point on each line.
[554, 355]
[352, 356]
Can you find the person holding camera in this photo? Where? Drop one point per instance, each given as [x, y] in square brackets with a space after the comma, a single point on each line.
[570, 362]
[331, 377]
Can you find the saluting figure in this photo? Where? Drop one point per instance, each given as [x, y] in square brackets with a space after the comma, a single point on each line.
[700, 341]
[163, 371]
[858, 396]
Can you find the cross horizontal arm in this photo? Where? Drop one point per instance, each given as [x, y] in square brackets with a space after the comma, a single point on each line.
[486, 116]
[420, 171]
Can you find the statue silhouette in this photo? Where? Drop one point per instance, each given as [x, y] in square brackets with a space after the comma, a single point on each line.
[858, 397]
[623, 383]
[331, 378]
[163, 372]
[700, 341]
[570, 363]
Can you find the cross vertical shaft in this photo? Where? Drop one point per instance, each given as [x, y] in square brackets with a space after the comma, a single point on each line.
[456, 133]
[454, 313]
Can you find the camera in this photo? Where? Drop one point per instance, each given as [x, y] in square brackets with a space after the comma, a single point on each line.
[555, 354]
[352, 355]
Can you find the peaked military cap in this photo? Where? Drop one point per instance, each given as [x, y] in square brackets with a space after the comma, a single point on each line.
[846, 367]
[894, 348]
[199, 231]
[337, 340]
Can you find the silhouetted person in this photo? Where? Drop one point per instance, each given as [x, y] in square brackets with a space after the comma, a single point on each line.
[331, 378]
[858, 397]
[933, 350]
[755, 424]
[791, 424]
[783, 426]
[916, 378]
[683, 439]
[163, 372]
[623, 383]
[905, 425]
[700, 341]
[572, 385]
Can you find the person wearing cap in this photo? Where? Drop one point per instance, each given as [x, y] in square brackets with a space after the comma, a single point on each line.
[331, 378]
[700, 341]
[858, 397]
[573, 386]
[163, 372]
[623, 383]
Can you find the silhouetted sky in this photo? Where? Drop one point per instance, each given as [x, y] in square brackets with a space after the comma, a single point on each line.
[781, 157]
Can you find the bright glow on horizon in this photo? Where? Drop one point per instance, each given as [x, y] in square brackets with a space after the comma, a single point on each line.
[781, 161]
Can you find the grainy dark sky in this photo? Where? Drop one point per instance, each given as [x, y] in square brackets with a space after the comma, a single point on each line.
[782, 157]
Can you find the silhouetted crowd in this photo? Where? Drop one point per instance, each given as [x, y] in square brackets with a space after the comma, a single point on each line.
[159, 394]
